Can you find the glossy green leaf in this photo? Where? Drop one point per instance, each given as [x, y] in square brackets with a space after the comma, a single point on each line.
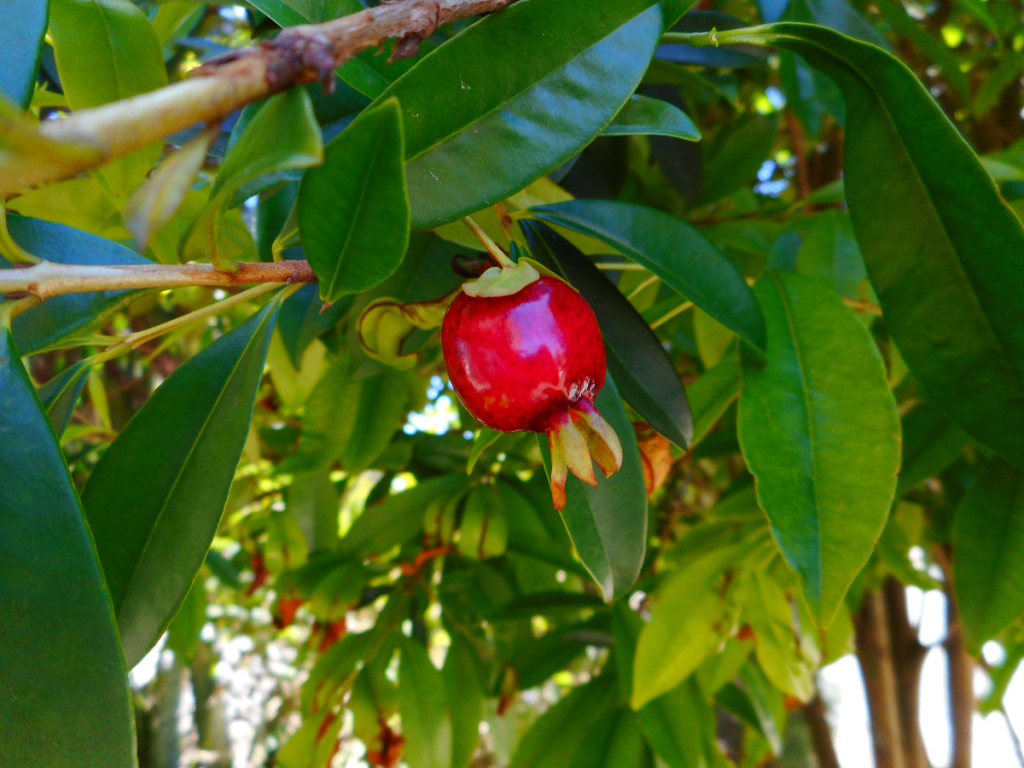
[484, 438]
[466, 696]
[301, 320]
[354, 210]
[422, 700]
[60, 394]
[477, 100]
[819, 431]
[156, 496]
[938, 239]
[988, 553]
[689, 619]
[931, 442]
[380, 412]
[66, 699]
[21, 44]
[283, 134]
[644, 116]
[608, 524]
[829, 252]
[674, 251]
[107, 51]
[636, 360]
[713, 393]
[58, 319]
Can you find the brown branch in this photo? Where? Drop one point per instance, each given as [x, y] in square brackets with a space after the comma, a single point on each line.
[874, 653]
[908, 657]
[47, 279]
[302, 54]
[961, 670]
[821, 733]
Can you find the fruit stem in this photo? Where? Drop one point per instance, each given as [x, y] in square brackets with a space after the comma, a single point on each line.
[497, 255]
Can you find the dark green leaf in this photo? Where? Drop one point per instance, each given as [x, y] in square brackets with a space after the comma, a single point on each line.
[938, 240]
[608, 524]
[300, 320]
[636, 359]
[829, 252]
[988, 553]
[65, 697]
[354, 210]
[737, 158]
[673, 250]
[477, 100]
[21, 43]
[107, 51]
[156, 496]
[60, 394]
[426, 721]
[931, 442]
[63, 317]
[819, 431]
[645, 116]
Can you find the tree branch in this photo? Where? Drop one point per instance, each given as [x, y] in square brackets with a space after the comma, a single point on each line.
[302, 54]
[874, 653]
[908, 657]
[821, 733]
[961, 670]
[47, 279]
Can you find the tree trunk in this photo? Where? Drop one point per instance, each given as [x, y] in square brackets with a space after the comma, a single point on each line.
[874, 652]
[821, 733]
[908, 657]
[961, 672]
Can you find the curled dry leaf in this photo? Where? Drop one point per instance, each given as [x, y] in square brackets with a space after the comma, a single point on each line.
[655, 454]
[385, 324]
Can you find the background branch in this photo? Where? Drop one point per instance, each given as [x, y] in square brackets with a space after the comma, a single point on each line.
[302, 54]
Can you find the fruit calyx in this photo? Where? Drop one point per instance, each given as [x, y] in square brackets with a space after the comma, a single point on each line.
[502, 281]
[576, 438]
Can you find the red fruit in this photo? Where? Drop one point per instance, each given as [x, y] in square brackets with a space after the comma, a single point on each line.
[534, 361]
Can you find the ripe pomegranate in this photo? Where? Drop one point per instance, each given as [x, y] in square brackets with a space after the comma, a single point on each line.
[524, 353]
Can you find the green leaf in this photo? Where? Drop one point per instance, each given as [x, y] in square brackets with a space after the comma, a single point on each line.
[737, 158]
[777, 645]
[183, 631]
[354, 210]
[988, 553]
[644, 116]
[819, 431]
[465, 697]
[689, 620]
[578, 732]
[482, 440]
[21, 45]
[476, 100]
[608, 524]
[381, 411]
[156, 496]
[107, 51]
[829, 252]
[674, 251]
[282, 135]
[60, 394]
[426, 721]
[301, 320]
[931, 442]
[635, 357]
[713, 393]
[938, 240]
[56, 320]
[66, 699]
[398, 518]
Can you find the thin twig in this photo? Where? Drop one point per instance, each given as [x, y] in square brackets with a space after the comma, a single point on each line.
[302, 54]
[1014, 736]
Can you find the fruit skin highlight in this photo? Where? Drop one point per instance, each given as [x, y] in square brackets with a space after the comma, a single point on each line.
[533, 360]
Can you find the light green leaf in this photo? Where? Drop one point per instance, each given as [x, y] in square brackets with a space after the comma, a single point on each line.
[465, 692]
[107, 51]
[426, 721]
[819, 431]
